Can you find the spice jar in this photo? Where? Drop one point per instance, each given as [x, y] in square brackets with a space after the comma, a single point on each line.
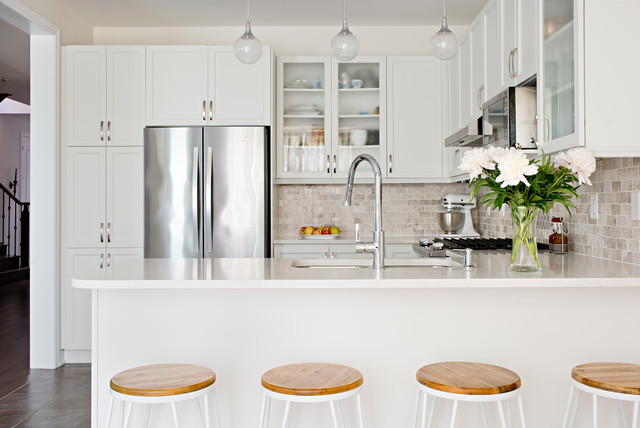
[558, 240]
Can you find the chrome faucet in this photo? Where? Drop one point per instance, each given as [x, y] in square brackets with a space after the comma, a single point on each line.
[377, 246]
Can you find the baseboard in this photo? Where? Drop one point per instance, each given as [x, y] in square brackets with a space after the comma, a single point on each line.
[77, 356]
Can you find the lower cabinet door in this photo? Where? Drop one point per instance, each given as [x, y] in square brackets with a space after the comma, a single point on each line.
[302, 251]
[347, 251]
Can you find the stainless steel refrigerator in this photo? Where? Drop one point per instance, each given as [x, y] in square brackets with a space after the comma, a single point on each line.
[206, 192]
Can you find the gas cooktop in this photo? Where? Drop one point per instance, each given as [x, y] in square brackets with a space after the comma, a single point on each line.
[481, 243]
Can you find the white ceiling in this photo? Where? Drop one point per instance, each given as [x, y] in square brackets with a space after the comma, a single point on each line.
[204, 13]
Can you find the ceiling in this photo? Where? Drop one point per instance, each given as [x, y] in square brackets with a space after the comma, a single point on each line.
[204, 13]
[14, 62]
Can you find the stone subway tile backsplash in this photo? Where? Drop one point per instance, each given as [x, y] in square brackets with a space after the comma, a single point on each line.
[410, 210]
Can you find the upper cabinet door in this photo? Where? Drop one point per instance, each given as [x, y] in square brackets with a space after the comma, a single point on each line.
[526, 59]
[467, 101]
[176, 85]
[239, 94]
[454, 94]
[84, 217]
[85, 95]
[125, 95]
[125, 193]
[495, 75]
[414, 101]
[476, 36]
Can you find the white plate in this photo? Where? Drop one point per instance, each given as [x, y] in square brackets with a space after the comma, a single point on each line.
[302, 113]
[335, 236]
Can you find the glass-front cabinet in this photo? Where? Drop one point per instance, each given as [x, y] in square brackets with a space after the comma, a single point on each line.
[328, 113]
[561, 100]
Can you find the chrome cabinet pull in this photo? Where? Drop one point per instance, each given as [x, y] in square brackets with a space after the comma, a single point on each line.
[204, 110]
[390, 164]
[101, 232]
[109, 130]
[326, 256]
[511, 64]
[102, 130]
[108, 259]
[210, 110]
[101, 260]
[547, 129]
[515, 72]
[332, 255]
[108, 232]
[480, 90]
[335, 161]
[328, 164]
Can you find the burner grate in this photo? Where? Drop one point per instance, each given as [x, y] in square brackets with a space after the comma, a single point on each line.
[481, 243]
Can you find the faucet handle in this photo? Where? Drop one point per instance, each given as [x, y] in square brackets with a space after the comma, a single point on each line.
[357, 232]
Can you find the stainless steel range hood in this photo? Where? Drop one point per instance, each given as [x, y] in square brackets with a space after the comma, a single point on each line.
[469, 136]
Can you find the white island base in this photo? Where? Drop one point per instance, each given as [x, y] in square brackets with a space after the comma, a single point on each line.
[241, 325]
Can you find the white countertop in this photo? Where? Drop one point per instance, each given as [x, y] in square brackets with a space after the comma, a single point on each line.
[570, 270]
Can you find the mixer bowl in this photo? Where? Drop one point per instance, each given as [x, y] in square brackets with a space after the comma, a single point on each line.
[451, 221]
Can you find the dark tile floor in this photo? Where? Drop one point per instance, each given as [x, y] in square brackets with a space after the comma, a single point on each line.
[58, 398]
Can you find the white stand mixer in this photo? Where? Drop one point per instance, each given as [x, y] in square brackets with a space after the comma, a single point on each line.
[464, 202]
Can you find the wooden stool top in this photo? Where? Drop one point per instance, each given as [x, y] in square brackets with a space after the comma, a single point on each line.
[468, 378]
[614, 377]
[162, 380]
[312, 379]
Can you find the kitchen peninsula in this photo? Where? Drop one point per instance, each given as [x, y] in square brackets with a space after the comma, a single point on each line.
[243, 316]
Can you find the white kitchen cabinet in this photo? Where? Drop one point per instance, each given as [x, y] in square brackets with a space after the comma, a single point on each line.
[414, 141]
[206, 85]
[466, 98]
[104, 95]
[104, 196]
[302, 251]
[319, 250]
[76, 303]
[454, 95]
[511, 40]
[478, 93]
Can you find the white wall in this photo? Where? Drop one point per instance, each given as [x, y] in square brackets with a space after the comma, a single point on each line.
[284, 40]
[73, 29]
[10, 128]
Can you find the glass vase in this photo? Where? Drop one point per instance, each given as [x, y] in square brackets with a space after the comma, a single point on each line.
[524, 254]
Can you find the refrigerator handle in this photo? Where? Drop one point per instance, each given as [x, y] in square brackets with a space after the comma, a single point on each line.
[194, 200]
[208, 201]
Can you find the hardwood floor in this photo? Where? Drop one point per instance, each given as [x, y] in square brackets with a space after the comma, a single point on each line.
[58, 398]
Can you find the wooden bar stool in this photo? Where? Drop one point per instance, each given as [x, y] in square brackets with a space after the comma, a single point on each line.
[618, 381]
[311, 383]
[470, 382]
[163, 383]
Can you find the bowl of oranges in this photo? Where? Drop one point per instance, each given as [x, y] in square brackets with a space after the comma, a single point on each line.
[319, 232]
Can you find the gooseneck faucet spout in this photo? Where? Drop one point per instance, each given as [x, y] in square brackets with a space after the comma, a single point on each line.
[377, 246]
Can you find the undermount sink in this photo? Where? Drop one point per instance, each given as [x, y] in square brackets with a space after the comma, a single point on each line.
[436, 262]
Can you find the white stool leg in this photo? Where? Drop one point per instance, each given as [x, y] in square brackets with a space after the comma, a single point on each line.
[214, 402]
[417, 413]
[333, 414]
[359, 406]
[634, 423]
[122, 405]
[483, 409]
[501, 412]
[207, 419]
[109, 411]
[200, 412]
[572, 407]
[127, 414]
[425, 399]
[146, 415]
[432, 407]
[595, 411]
[287, 415]
[340, 415]
[508, 412]
[521, 409]
[623, 414]
[454, 412]
[175, 415]
[264, 416]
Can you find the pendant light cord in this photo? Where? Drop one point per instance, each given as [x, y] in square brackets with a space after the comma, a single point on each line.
[247, 10]
[444, 8]
[344, 5]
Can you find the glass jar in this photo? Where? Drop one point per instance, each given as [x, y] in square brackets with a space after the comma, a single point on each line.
[558, 240]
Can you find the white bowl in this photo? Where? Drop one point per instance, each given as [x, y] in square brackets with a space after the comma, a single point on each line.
[358, 137]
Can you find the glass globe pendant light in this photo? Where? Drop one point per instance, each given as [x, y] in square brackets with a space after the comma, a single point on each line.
[444, 43]
[247, 48]
[345, 45]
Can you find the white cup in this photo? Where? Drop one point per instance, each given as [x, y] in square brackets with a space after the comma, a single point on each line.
[358, 137]
[357, 83]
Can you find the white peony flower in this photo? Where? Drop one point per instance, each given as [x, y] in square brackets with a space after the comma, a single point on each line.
[580, 161]
[474, 161]
[513, 166]
[494, 153]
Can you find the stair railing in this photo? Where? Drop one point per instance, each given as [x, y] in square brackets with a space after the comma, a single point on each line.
[14, 217]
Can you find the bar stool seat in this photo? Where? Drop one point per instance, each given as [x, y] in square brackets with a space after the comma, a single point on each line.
[311, 383]
[466, 381]
[162, 383]
[618, 381]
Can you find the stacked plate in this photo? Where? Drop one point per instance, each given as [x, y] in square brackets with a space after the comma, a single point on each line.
[303, 110]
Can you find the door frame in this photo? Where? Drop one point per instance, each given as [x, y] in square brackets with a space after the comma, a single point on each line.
[44, 303]
[25, 168]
